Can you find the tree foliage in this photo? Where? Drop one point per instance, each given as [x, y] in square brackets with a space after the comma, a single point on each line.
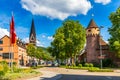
[31, 50]
[115, 32]
[69, 39]
[38, 52]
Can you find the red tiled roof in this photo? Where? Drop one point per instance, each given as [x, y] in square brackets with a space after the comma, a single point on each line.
[102, 42]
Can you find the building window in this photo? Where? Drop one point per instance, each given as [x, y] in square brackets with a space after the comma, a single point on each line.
[1, 48]
[6, 55]
[0, 54]
[1, 42]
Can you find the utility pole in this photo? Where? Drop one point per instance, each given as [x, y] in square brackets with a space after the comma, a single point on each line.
[101, 63]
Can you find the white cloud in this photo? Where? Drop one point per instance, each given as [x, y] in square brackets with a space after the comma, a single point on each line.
[104, 2]
[39, 43]
[43, 36]
[26, 40]
[107, 42]
[57, 9]
[50, 38]
[3, 32]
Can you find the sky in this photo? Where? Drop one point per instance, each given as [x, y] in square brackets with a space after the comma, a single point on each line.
[49, 15]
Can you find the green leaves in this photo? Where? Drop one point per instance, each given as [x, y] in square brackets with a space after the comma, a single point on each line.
[38, 52]
[115, 32]
[69, 39]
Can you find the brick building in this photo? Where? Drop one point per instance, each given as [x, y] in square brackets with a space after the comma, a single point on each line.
[94, 43]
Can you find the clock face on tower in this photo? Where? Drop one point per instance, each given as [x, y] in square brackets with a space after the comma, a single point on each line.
[32, 38]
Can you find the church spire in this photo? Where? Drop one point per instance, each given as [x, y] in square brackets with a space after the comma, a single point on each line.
[92, 24]
[32, 37]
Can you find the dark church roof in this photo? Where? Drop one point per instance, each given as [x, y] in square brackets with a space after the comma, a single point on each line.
[32, 36]
[92, 24]
[32, 31]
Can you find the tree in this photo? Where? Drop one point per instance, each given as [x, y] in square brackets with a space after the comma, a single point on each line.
[115, 32]
[69, 39]
[37, 52]
[31, 50]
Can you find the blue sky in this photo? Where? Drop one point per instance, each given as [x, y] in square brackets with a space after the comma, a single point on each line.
[48, 16]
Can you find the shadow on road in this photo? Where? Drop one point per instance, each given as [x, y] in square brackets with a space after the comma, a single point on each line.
[87, 77]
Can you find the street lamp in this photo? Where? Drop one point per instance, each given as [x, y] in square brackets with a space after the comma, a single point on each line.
[101, 64]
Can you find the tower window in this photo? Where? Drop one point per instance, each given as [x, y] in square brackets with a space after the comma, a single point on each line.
[89, 30]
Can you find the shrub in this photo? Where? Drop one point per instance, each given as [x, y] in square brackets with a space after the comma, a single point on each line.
[5, 68]
[86, 65]
[14, 63]
[80, 65]
[99, 70]
[28, 70]
[90, 65]
[73, 65]
[77, 63]
[16, 70]
[2, 73]
[82, 62]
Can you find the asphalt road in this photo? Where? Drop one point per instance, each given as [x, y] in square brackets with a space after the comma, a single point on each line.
[56, 73]
[88, 77]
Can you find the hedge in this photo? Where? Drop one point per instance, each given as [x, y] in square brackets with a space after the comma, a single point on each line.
[100, 70]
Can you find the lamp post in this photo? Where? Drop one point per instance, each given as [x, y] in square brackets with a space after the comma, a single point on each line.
[101, 63]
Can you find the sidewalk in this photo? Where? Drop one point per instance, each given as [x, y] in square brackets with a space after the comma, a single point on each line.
[47, 75]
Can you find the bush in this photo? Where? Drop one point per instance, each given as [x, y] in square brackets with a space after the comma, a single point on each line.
[90, 65]
[2, 73]
[73, 65]
[82, 62]
[77, 63]
[16, 70]
[14, 63]
[86, 65]
[99, 70]
[3, 68]
[80, 65]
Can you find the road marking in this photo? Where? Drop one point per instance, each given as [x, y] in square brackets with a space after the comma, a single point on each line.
[109, 77]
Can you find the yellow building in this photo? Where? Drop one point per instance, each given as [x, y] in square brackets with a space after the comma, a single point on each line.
[17, 53]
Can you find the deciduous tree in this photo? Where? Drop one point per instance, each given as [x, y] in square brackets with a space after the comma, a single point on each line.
[115, 32]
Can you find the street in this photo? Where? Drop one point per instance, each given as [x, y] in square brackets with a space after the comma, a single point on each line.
[70, 74]
[86, 77]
